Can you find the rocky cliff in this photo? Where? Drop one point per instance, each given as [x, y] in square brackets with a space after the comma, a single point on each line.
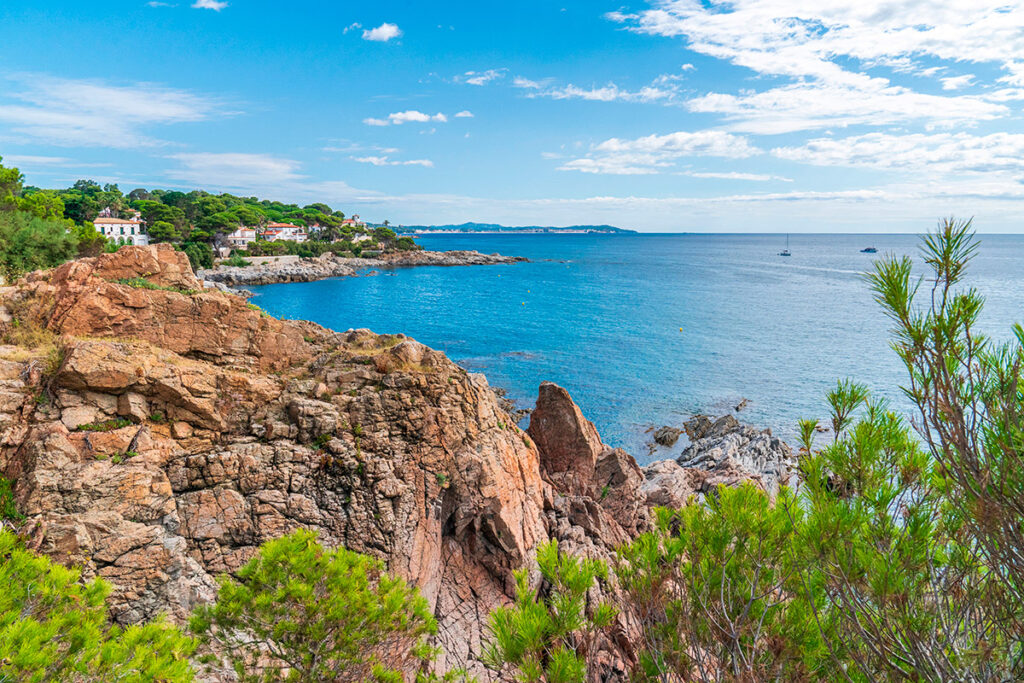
[157, 433]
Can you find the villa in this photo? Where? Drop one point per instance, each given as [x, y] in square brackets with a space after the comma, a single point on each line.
[241, 237]
[284, 231]
[123, 230]
[353, 222]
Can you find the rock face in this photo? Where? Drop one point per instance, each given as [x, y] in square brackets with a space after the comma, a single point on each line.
[166, 431]
[328, 265]
[157, 433]
[721, 452]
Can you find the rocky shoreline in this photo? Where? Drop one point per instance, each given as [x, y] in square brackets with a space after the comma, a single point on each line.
[167, 431]
[328, 265]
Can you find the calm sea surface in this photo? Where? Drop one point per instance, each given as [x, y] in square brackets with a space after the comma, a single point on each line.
[649, 329]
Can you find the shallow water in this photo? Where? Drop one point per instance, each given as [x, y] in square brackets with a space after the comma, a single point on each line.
[649, 329]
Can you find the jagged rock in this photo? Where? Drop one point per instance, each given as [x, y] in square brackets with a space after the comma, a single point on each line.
[568, 442]
[667, 436]
[729, 453]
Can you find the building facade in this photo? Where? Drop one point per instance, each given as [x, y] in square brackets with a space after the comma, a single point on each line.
[241, 238]
[122, 230]
[284, 231]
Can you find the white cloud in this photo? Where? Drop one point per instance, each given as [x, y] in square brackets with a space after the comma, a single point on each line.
[926, 156]
[88, 113]
[409, 116]
[234, 169]
[664, 89]
[818, 45]
[650, 154]
[464, 114]
[215, 5]
[809, 106]
[481, 77]
[385, 161]
[382, 33]
[957, 82]
[733, 175]
[351, 27]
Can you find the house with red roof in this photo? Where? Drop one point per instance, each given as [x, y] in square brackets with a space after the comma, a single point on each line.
[284, 231]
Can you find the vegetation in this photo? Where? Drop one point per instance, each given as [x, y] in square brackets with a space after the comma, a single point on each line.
[8, 509]
[547, 636]
[898, 556]
[54, 627]
[105, 426]
[43, 228]
[320, 615]
[143, 283]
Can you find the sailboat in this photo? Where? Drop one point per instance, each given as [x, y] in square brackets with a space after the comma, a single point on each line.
[785, 252]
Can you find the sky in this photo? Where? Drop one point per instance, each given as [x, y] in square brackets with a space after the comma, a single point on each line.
[657, 115]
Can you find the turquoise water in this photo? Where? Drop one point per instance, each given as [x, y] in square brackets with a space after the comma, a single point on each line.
[649, 329]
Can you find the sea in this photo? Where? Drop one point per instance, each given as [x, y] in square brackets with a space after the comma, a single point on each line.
[647, 330]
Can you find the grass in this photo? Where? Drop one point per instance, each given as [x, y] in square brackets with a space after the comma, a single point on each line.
[143, 283]
[157, 417]
[8, 510]
[442, 480]
[605, 491]
[106, 426]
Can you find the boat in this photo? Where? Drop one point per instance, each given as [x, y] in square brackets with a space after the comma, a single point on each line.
[869, 250]
[785, 252]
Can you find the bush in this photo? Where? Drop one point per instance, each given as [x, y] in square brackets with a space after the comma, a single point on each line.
[900, 556]
[546, 637]
[54, 627]
[29, 243]
[319, 615]
[200, 254]
[236, 260]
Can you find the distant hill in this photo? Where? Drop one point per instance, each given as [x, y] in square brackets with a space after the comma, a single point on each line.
[494, 227]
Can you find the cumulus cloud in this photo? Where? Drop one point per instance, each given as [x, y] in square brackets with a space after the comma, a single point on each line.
[215, 5]
[650, 154]
[382, 33]
[409, 116]
[957, 82]
[464, 114]
[94, 113]
[824, 48]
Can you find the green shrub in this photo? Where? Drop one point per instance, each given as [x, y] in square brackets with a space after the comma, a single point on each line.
[55, 627]
[105, 426]
[143, 283]
[321, 615]
[543, 635]
[8, 510]
[236, 260]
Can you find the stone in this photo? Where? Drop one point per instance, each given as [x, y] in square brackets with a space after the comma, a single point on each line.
[667, 436]
[568, 442]
[133, 406]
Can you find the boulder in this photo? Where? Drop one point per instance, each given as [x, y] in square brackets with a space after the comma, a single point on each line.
[568, 442]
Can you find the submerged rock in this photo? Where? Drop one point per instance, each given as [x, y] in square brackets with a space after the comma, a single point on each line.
[667, 436]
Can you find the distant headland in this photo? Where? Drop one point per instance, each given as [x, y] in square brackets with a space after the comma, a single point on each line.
[494, 227]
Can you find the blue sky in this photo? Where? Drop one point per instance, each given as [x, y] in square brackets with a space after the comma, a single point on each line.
[667, 115]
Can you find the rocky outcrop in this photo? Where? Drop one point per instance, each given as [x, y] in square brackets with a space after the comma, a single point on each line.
[157, 433]
[721, 452]
[328, 265]
[161, 432]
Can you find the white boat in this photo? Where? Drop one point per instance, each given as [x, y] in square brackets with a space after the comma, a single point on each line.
[785, 252]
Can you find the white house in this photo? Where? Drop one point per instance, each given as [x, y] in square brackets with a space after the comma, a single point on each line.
[353, 222]
[240, 238]
[123, 230]
[284, 231]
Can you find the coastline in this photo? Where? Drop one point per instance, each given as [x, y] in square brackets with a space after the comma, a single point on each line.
[329, 265]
